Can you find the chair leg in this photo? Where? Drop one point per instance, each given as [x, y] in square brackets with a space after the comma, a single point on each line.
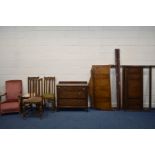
[43, 104]
[53, 106]
[40, 110]
[24, 111]
[26, 108]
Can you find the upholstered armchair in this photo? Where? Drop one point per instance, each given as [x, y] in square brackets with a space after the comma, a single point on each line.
[11, 103]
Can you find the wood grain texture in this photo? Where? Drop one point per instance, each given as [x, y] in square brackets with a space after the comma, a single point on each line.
[100, 87]
[133, 88]
[72, 95]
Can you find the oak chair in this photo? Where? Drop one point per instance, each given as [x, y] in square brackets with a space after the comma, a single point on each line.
[49, 91]
[11, 103]
[34, 96]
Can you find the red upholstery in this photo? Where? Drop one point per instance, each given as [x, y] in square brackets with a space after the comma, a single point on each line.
[13, 91]
[9, 107]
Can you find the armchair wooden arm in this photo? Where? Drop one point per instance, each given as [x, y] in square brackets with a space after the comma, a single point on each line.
[2, 95]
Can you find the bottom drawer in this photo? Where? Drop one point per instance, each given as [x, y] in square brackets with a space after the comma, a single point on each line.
[72, 103]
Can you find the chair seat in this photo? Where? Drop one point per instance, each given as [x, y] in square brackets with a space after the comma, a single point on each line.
[48, 96]
[33, 100]
[9, 107]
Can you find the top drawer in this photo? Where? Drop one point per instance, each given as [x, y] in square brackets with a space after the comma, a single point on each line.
[71, 92]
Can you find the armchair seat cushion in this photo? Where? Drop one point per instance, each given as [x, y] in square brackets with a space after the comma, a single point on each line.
[8, 107]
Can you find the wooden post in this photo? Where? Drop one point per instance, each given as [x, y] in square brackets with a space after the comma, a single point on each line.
[118, 82]
[150, 88]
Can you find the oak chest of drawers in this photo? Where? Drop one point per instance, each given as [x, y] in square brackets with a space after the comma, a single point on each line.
[72, 95]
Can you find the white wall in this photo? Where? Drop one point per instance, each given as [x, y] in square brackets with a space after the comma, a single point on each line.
[69, 52]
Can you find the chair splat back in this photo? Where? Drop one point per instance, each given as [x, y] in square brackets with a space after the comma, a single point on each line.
[49, 85]
[35, 86]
